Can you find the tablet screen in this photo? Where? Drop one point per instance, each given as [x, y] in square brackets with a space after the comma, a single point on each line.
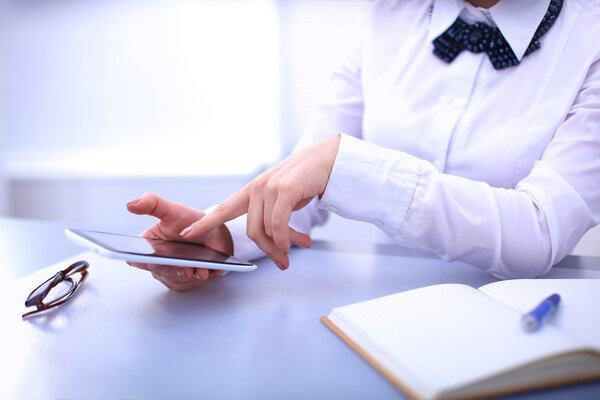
[137, 245]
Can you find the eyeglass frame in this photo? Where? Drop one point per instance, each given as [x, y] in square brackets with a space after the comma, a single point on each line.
[61, 276]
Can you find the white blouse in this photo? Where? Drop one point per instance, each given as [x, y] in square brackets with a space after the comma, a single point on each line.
[496, 168]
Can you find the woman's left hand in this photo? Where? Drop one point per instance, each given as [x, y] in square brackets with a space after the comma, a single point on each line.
[173, 217]
[270, 198]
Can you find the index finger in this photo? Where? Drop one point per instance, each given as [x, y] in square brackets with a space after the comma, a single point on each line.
[231, 208]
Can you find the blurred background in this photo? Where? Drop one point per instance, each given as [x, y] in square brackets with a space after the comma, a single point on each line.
[103, 100]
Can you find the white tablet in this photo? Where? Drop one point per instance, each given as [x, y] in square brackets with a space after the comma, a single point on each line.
[157, 251]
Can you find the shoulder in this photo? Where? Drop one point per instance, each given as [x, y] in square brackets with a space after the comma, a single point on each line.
[587, 11]
[578, 26]
[588, 5]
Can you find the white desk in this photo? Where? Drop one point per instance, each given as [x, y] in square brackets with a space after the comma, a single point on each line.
[248, 335]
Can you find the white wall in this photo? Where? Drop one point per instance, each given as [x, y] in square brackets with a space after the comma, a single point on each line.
[156, 87]
[111, 98]
[316, 37]
[102, 100]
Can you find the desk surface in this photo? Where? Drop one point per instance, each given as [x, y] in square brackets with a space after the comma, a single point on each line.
[250, 335]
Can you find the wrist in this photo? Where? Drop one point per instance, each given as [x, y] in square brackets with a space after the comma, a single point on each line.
[333, 144]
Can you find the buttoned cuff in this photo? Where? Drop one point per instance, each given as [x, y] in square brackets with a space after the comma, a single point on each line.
[372, 184]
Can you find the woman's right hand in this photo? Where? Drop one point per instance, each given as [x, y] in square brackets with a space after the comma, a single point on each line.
[173, 218]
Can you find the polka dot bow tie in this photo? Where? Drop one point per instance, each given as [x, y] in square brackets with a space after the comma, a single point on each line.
[480, 37]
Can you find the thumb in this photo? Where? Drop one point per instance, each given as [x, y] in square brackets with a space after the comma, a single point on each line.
[151, 204]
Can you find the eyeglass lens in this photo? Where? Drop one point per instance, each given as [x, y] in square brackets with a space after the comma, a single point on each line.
[58, 289]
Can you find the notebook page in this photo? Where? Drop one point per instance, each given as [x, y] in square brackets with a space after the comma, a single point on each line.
[444, 336]
[577, 312]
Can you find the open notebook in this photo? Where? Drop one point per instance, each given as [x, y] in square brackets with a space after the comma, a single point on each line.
[454, 341]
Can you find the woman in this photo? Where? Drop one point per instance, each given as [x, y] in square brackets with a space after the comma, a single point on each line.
[469, 129]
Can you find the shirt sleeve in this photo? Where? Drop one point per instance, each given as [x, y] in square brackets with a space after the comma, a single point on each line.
[510, 233]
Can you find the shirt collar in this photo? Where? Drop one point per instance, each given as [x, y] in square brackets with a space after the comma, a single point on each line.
[516, 19]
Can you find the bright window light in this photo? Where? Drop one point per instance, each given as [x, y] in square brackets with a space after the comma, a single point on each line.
[139, 87]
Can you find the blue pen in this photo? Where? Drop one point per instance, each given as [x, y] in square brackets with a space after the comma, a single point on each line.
[534, 318]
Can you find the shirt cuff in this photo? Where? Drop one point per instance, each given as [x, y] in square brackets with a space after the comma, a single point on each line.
[372, 184]
[243, 246]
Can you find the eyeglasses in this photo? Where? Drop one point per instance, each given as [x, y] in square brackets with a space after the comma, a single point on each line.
[58, 289]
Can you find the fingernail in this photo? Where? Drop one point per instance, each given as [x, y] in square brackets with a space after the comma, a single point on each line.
[185, 231]
[135, 201]
[281, 266]
[305, 245]
[199, 275]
